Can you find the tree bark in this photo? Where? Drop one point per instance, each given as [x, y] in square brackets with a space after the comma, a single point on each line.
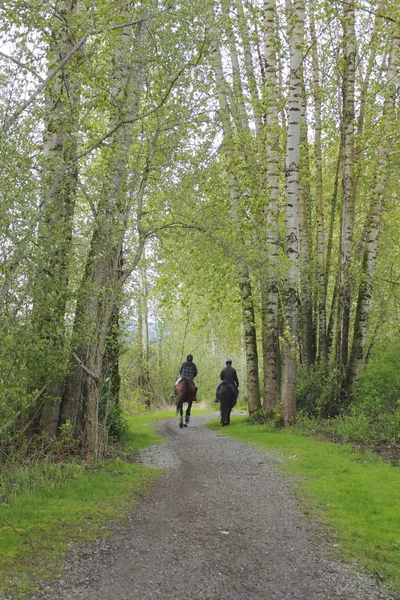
[270, 309]
[322, 275]
[59, 181]
[249, 67]
[253, 386]
[356, 361]
[289, 367]
[143, 333]
[306, 260]
[348, 178]
[99, 287]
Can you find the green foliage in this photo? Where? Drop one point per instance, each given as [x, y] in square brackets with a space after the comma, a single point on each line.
[372, 417]
[317, 392]
[379, 389]
[66, 441]
[111, 415]
[375, 409]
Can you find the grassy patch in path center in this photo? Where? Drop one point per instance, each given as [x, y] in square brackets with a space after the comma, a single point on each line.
[355, 493]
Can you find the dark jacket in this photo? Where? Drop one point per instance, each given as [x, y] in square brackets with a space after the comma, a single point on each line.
[229, 375]
[188, 369]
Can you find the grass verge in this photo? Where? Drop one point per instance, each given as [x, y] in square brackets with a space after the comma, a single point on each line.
[356, 494]
[51, 519]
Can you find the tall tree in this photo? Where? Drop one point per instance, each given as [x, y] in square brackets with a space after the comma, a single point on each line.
[322, 276]
[348, 179]
[250, 339]
[383, 154]
[272, 127]
[59, 180]
[143, 331]
[289, 375]
[97, 294]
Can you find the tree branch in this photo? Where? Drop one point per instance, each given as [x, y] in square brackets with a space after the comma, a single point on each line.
[8, 124]
[150, 112]
[88, 371]
[21, 65]
[371, 12]
[134, 120]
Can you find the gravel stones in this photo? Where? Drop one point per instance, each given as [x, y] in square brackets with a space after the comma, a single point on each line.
[221, 523]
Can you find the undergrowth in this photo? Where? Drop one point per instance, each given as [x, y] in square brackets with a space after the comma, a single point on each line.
[48, 506]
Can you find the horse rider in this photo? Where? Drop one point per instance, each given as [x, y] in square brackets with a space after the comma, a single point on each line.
[228, 375]
[189, 370]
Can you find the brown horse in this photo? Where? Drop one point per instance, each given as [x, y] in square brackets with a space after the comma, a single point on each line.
[185, 392]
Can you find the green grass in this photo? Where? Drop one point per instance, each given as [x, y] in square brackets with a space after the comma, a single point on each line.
[65, 512]
[355, 494]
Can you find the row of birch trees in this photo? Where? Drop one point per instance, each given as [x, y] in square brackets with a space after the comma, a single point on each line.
[307, 104]
[250, 147]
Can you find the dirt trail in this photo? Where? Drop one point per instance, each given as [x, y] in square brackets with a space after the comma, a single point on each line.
[221, 524]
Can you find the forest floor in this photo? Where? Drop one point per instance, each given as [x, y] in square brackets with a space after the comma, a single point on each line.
[221, 523]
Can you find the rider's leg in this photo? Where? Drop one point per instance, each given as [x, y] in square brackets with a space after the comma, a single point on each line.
[176, 383]
[217, 398]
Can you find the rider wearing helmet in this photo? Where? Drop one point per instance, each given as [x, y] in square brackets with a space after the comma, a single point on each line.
[227, 375]
[189, 370]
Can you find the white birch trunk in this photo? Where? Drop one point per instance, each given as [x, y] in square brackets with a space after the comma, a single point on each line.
[249, 67]
[289, 374]
[238, 107]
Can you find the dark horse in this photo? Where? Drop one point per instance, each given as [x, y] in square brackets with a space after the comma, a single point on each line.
[185, 392]
[228, 394]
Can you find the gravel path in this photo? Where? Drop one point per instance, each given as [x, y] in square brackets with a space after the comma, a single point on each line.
[220, 524]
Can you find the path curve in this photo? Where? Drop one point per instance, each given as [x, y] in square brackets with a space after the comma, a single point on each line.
[220, 524]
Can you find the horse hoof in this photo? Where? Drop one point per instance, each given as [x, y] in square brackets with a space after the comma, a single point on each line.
[181, 425]
[185, 424]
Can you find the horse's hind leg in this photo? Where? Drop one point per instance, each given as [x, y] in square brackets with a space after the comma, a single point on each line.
[187, 416]
[181, 418]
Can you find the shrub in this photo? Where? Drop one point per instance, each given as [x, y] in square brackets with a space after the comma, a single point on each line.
[317, 392]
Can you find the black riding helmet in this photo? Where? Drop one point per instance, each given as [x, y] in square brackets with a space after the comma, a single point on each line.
[189, 357]
[228, 361]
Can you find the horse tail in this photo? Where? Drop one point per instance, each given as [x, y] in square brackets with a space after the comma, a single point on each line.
[228, 397]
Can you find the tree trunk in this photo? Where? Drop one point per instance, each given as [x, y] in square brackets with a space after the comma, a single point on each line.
[249, 67]
[306, 262]
[289, 367]
[374, 223]
[348, 207]
[322, 275]
[98, 291]
[59, 180]
[243, 274]
[270, 310]
[143, 333]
